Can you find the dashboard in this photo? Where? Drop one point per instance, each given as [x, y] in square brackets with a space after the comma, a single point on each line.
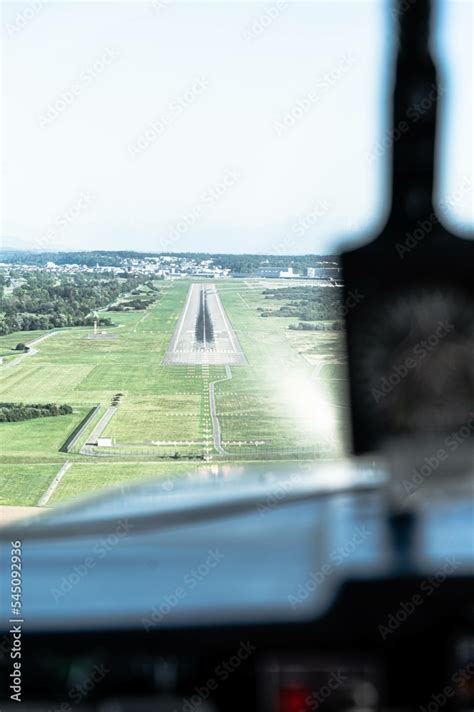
[210, 603]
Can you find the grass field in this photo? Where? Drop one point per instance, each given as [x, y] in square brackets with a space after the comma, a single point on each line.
[288, 401]
[24, 484]
[87, 478]
[283, 397]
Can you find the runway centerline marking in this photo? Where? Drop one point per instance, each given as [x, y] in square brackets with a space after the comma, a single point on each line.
[216, 344]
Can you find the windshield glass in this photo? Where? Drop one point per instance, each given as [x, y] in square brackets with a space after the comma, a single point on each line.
[179, 178]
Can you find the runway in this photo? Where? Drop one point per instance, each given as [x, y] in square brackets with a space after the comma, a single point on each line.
[203, 334]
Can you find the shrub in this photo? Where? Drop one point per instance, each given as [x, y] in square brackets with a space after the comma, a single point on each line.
[16, 412]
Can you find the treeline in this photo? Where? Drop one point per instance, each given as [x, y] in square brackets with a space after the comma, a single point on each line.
[14, 412]
[45, 301]
[250, 264]
[308, 326]
[306, 303]
[238, 264]
[132, 305]
[89, 259]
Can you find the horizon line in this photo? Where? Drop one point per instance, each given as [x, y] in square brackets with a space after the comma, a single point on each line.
[151, 252]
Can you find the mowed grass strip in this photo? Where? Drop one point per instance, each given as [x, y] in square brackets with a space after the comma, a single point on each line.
[279, 397]
[88, 478]
[171, 403]
[38, 437]
[16, 337]
[160, 418]
[46, 382]
[23, 484]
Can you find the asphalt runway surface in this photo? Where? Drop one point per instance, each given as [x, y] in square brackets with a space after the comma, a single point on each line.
[203, 334]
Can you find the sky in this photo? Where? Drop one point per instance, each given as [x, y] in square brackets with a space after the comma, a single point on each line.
[213, 126]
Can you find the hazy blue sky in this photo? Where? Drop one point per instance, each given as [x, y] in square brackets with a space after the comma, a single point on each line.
[220, 126]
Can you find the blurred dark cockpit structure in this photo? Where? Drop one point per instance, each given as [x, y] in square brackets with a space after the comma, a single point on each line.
[336, 587]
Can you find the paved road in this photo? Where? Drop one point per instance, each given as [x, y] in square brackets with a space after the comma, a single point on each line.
[87, 449]
[57, 479]
[32, 351]
[213, 342]
[83, 427]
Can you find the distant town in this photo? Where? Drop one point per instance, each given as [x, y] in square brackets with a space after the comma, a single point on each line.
[174, 266]
[119, 365]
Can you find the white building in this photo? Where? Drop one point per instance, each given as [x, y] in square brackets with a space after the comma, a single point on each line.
[104, 442]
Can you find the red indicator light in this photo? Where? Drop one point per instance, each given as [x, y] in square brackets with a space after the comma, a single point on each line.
[294, 699]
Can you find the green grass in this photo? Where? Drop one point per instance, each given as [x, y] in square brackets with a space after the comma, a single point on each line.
[17, 337]
[291, 395]
[161, 417]
[88, 478]
[83, 438]
[24, 484]
[33, 439]
[280, 398]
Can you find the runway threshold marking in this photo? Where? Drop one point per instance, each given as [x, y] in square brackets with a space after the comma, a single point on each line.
[183, 350]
